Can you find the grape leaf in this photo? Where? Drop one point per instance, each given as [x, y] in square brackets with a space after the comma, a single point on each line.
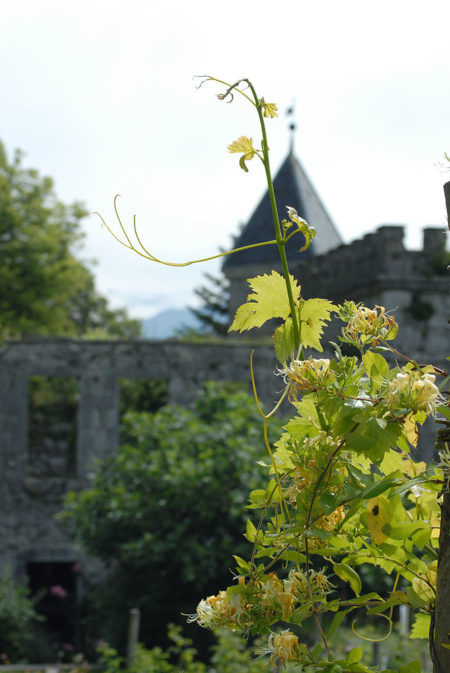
[284, 340]
[268, 300]
[314, 313]
[244, 145]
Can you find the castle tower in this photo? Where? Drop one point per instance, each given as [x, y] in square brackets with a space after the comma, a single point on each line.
[292, 188]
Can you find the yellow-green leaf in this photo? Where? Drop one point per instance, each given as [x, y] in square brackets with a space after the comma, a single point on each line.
[269, 109]
[412, 667]
[308, 232]
[346, 573]
[354, 655]
[314, 314]
[284, 340]
[423, 589]
[268, 300]
[375, 367]
[244, 145]
[379, 513]
[242, 164]
[250, 531]
[410, 430]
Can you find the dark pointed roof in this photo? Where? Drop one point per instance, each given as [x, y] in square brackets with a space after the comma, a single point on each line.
[292, 188]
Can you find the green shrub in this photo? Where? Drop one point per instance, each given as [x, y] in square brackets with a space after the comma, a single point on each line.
[166, 512]
[18, 622]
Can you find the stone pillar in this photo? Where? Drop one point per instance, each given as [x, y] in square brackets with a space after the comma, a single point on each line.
[98, 419]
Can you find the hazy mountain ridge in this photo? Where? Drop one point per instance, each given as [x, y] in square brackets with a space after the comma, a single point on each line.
[165, 324]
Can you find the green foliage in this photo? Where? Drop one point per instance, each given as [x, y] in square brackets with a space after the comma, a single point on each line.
[142, 395]
[341, 486]
[230, 653]
[18, 622]
[170, 505]
[267, 300]
[44, 288]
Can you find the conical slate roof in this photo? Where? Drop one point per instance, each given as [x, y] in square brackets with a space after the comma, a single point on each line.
[292, 188]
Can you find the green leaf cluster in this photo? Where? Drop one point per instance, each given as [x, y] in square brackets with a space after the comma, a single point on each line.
[44, 288]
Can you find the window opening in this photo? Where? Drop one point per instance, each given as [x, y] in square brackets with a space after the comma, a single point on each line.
[52, 427]
[141, 395]
[56, 586]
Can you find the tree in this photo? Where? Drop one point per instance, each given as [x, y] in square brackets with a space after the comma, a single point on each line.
[44, 288]
[213, 312]
[165, 512]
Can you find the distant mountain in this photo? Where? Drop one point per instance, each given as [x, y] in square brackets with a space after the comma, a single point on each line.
[164, 325]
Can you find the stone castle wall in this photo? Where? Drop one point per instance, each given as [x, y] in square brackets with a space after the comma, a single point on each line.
[29, 500]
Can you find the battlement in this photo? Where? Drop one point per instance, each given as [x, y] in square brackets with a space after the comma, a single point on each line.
[376, 262]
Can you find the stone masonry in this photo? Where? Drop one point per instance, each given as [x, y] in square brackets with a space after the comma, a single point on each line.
[28, 529]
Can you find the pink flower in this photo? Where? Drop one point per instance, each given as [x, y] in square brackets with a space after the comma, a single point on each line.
[58, 590]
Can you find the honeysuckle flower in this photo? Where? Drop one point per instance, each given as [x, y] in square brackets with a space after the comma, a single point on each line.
[216, 611]
[411, 389]
[417, 490]
[318, 583]
[284, 647]
[426, 390]
[329, 522]
[307, 374]
[371, 325]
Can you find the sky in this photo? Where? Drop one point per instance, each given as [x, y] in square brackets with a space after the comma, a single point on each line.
[99, 94]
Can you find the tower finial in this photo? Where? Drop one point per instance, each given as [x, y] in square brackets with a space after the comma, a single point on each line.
[292, 126]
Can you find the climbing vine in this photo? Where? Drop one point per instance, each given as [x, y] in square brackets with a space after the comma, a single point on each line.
[343, 490]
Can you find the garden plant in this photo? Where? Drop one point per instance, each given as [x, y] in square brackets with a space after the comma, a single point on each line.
[343, 490]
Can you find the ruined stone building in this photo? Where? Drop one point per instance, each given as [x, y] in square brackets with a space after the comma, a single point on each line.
[41, 460]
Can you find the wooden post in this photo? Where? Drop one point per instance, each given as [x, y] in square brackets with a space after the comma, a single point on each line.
[133, 634]
[441, 635]
[440, 626]
[447, 200]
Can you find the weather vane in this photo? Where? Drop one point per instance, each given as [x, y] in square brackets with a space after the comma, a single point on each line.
[292, 126]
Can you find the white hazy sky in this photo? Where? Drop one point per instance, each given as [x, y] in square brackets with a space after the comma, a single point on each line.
[99, 95]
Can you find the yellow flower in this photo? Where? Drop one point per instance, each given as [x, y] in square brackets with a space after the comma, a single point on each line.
[410, 389]
[284, 647]
[307, 374]
[216, 611]
[426, 390]
[329, 522]
[372, 325]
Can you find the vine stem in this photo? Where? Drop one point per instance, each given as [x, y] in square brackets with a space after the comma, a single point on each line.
[278, 235]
